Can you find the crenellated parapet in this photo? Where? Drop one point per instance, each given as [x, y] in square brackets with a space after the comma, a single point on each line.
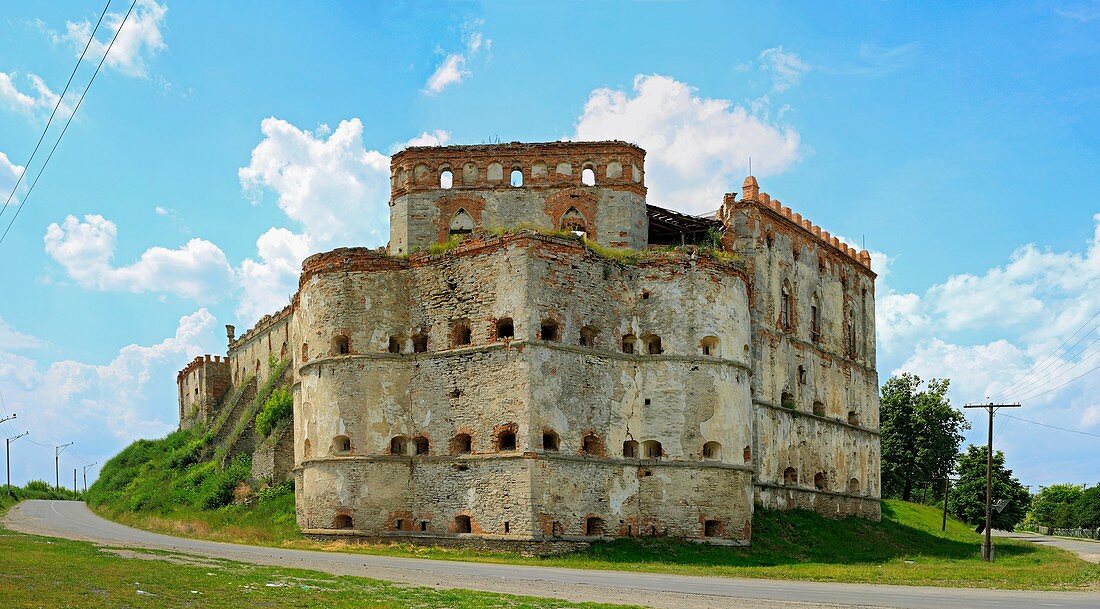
[263, 325]
[200, 386]
[200, 361]
[752, 195]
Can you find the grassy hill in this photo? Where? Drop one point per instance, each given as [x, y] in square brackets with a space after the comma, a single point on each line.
[165, 485]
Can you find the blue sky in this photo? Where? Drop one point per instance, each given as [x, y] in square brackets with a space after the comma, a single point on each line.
[223, 142]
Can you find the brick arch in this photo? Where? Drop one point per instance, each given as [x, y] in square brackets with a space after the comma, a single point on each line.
[448, 206]
[559, 203]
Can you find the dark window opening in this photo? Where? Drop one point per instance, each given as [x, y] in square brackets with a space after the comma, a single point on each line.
[651, 449]
[591, 444]
[574, 222]
[588, 336]
[398, 445]
[341, 345]
[853, 486]
[790, 476]
[709, 345]
[712, 528]
[548, 330]
[463, 524]
[341, 444]
[505, 329]
[815, 323]
[422, 445]
[460, 333]
[593, 526]
[801, 375]
[819, 409]
[462, 444]
[853, 418]
[342, 521]
[712, 450]
[787, 400]
[423, 525]
[820, 481]
[398, 524]
[653, 344]
[785, 308]
[507, 527]
[630, 449]
[748, 453]
[550, 440]
[628, 343]
[556, 528]
[397, 342]
[506, 440]
[420, 343]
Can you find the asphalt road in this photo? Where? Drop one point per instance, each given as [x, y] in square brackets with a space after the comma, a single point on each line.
[73, 520]
[1087, 549]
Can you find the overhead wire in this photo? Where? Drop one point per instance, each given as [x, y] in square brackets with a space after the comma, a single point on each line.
[56, 105]
[1066, 366]
[1077, 431]
[42, 169]
[1056, 387]
[1046, 361]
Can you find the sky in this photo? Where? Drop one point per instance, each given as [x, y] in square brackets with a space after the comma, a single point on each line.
[221, 143]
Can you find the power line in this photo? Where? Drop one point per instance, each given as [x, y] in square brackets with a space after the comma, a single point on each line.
[1059, 375]
[66, 127]
[1038, 382]
[55, 107]
[1084, 433]
[1044, 364]
[1056, 387]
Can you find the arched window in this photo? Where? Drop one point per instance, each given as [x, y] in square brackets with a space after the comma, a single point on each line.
[420, 342]
[549, 330]
[399, 445]
[790, 476]
[341, 445]
[709, 345]
[516, 179]
[463, 524]
[786, 400]
[785, 306]
[506, 330]
[630, 449]
[591, 444]
[341, 345]
[628, 343]
[574, 222]
[748, 453]
[588, 176]
[853, 418]
[651, 449]
[588, 336]
[461, 224]
[422, 445]
[505, 438]
[652, 344]
[550, 440]
[462, 444]
[712, 451]
[853, 486]
[819, 408]
[342, 521]
[446, 179]
[801, 375]
[593, 526]
[397, 343]
[460, 332]
[820, 481]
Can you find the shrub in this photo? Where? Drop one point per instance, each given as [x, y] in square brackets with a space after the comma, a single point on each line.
[278, 407]
[217, 489]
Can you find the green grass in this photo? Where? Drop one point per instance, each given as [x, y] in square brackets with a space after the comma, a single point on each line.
[46, 572]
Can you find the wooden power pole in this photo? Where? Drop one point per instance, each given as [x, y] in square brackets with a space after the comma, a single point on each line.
[57, 450]
[987, 546]
[7, 456]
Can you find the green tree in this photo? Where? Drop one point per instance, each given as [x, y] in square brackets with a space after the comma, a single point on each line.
[921, 433]
[1088, 508]
[968, 498]
[1055, 506]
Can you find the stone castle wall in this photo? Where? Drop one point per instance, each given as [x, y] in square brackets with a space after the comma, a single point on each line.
[201, 385]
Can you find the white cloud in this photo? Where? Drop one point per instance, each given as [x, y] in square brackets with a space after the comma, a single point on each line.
[786, 68]
[13, 340]
[329, 184]
[696, 148]
[453, 69]
[101, 407]
[438, 137]
[38, 104]
[139, 41]
[9, 174]
[197, 270]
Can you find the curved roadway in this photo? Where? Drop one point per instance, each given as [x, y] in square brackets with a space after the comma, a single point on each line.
[73, 520]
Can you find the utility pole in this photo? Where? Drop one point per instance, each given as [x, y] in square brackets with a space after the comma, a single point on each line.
[8, 418]
[7, 456]
[74, 480]
[946, 490]
[86, 468]
[987, 547]
[57, 450]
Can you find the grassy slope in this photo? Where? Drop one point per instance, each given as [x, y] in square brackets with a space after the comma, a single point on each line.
[44, 572]
[160, 486]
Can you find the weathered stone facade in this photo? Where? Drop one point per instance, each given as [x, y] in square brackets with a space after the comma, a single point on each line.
[524, 387]
[201, 385]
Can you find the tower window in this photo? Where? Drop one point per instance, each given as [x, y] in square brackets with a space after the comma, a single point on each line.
[630, 449]
[588, 336]
[398, 445]
[593, 526]
[462, 444]
[516, 179]
[651, 449]
[506, 438]
[422, 445]
[550, 440]
[460, 333]
[588, 176]
[591, 444]
[712, 451]
[463, 524]
[420, 342]
[446, 179]
[341, 345]
[628, 343]
[790, 476]
[505, 328]
[549, 330]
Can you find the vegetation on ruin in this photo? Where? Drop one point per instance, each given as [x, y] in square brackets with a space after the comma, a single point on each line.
[278, 408]
[45, 572]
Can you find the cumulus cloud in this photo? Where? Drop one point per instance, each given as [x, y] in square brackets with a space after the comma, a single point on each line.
[101, 407]
[453, 69]
[139, 40]
[39, 102]
[13, 340]
[9, 174]
[329, 184]
[198, 270]
[785, 68]
[438, 137]
[697, 148]
[1024, 330]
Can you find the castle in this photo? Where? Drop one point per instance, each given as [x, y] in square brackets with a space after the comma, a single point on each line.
[541, 358]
